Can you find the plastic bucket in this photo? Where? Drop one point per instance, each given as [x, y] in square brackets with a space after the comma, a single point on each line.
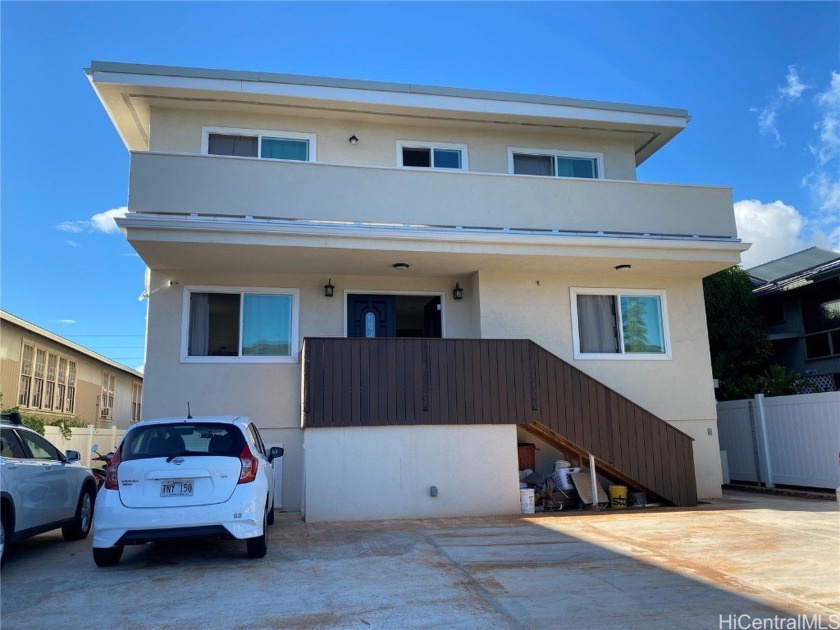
[526, 500]
[562, 463]
[618, 497]
[563, 477]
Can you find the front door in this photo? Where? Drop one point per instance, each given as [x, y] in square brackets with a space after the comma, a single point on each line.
[371, 316]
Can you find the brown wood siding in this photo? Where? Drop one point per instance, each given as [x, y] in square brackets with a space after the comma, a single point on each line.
[377, 382]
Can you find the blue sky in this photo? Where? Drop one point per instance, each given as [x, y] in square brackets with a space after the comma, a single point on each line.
[761, 81]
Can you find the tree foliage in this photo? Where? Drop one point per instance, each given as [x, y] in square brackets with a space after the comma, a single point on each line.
[739, 345]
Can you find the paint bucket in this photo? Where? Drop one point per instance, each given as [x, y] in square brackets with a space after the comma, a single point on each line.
[618, 497]
[562, 463]
[563, 477]
[526, 500]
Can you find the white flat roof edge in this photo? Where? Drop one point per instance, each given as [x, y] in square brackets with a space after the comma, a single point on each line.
[507, 236]
[379, 86]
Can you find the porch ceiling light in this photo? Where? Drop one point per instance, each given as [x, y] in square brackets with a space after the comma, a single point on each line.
[401, 266]
[622, 267]
[353, 139]
[458, 292]
[329, 288]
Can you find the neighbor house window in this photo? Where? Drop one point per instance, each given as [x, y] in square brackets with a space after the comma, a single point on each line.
[616, 324]
[136, 397]
[555, 164]
[70, 407]
[107, 401]
[44, 379]
[224, 324]
[432, 155]
[270, 145]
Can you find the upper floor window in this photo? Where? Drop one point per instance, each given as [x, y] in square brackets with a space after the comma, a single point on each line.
[555, 163]
[619, 324]
[224, 324]
[271, 145]
[109, 383]
[432, 155]
[136, 399]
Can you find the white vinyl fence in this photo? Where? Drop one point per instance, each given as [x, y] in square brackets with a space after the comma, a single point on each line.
[84, 438]
[791, 440]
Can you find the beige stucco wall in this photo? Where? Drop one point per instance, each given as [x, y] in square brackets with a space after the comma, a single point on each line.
[268, 393]
[679, 390]
[179, 130]
[387, 472]
[88, 378]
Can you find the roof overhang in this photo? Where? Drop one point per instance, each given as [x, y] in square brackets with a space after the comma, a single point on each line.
[271, 246]
[129, 91]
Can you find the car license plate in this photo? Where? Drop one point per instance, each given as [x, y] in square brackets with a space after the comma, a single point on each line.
[177, 488]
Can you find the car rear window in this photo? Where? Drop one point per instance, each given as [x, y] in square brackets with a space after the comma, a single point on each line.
[182, 438]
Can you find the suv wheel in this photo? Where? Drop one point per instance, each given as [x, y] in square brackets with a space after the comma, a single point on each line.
[257, 547]
[107, 556]
[80, 526]
[270, 519]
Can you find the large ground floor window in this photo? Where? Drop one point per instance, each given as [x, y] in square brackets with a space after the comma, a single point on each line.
[619, 324]
[224, 324]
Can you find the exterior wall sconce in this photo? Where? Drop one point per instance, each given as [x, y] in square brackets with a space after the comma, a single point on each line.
[353, 139]
[329, 288]
[622, 267]
[458, 292]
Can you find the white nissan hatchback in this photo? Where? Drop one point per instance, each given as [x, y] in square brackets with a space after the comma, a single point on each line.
[175, 478]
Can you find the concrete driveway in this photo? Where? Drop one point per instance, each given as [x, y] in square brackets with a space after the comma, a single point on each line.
[745, 555]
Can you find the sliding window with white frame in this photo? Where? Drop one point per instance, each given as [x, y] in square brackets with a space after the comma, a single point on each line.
[258, 143]
[555, 163]
[620, 324]
[433, 155]
[239, 325]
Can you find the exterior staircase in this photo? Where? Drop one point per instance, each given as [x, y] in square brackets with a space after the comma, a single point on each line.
[396, 381]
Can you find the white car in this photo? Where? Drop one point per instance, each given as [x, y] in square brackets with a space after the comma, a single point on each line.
[188, 477]
[41, 488]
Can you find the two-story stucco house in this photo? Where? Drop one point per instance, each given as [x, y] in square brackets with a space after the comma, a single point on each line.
[399, 283]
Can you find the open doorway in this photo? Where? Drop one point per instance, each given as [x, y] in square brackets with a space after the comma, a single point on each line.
[394, 315]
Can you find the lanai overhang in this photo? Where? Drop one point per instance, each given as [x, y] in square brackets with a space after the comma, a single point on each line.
[255, 245]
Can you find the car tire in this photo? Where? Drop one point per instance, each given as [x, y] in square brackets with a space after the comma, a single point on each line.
[79, 528]
[2, 542]
[107, 556]
[257, 547]
[270, 518]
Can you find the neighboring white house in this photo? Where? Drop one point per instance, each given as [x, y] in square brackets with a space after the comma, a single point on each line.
[47, 375]
[274, 211]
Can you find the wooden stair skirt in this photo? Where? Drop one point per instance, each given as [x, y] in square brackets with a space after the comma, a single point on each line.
[395, 381]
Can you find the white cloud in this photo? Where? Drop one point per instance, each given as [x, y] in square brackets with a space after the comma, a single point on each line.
[104, 221]
[72, 226]
[99, 222]
[72, 243]
[774, 229]
[785, 95]
[794, 87]
[66, 321]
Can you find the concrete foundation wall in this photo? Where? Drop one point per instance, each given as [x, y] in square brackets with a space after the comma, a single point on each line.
[369, 473]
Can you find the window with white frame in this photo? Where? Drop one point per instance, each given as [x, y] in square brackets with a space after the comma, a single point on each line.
[136, 397]
[106, 409]
[47, 379]
[243, 325]
[434, 155]
[70, 407]
[270, 145]
[555, 163]
[619, 324]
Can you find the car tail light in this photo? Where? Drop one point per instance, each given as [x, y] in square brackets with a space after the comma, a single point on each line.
[111, 472]
[249, 466]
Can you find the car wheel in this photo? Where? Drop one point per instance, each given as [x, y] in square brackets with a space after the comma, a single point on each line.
[270, 518]
[80, 526]
[257, 547]
[107, 556]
